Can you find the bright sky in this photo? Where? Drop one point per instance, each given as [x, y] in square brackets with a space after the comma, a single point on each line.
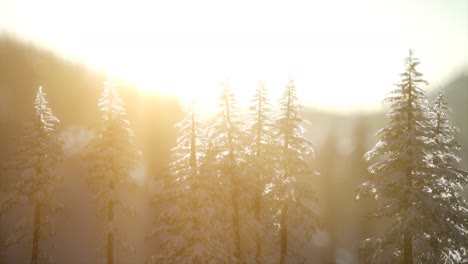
[344, 55]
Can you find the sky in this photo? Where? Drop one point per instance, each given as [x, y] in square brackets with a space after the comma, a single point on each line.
[344, 56]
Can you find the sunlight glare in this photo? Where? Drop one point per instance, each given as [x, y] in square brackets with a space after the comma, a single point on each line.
[337, 66]
[192, 65]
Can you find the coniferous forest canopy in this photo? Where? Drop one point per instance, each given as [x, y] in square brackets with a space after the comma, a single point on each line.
[94, 171]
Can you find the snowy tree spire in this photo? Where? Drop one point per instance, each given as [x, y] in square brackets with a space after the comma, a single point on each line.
[294, 182]
[189, 225]
[261, 151]
[38, 155]
[448, 239]
[444, 132]
[403, 182]
[226, 138]
[110, 157]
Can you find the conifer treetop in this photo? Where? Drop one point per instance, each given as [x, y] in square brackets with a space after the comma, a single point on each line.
[112, 154]
[38, 153]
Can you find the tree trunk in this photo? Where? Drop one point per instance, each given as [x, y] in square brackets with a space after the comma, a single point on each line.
[435, 247]
[331, 215]
[258, 240]
[408, 249]
[235, 222]
[407, 237]
[232, 161]
[284, 233]
[110, 234]
[284, 210]
[36, 233]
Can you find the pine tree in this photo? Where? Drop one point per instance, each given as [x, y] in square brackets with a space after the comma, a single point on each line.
[38, 155]
[401, 181]
[110, 157]
[190, 226]
[225, 135]
[294, 186]
[261, 154]
[448, 239]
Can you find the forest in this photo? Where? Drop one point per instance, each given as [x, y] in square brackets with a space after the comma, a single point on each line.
[95, 172]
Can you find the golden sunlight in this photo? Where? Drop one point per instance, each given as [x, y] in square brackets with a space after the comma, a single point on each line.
[340, 63]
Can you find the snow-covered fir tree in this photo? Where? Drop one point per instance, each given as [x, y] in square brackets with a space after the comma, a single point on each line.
[297, 222]
[39, 152]
[226, 138]
[448, 239]
[110, 157]
[261, 167]
[190, 226]
[403, 180]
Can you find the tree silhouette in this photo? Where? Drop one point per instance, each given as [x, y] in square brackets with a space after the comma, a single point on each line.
[226, 138]
[38, 154]
[448, 237]
[110, 157]
[358, 174]
[402, 180]
[293, 185]
[328, 158]
[261, 165]
[190, 226]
